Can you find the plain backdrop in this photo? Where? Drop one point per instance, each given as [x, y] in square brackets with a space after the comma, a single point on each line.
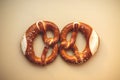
[17, 15]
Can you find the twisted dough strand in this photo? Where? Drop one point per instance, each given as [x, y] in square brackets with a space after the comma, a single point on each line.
[90, 36]
[37, 28]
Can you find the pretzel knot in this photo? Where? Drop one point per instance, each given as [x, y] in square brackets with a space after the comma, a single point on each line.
[92, 42]
[37, 28]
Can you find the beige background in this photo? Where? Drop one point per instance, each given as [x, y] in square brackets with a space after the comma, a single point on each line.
[17, 15]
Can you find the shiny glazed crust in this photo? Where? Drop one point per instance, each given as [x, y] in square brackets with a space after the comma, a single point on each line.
[92, 42]
[37, 28]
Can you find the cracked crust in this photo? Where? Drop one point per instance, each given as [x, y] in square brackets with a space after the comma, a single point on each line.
[37, 28]
[92, 43]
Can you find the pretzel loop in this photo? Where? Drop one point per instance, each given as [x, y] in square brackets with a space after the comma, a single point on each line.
[41, 27]
[91, 46]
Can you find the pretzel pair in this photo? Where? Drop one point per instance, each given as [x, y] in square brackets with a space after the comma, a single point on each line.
[41, 27]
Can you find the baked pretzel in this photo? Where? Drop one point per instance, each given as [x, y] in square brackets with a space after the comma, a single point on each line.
[92, 42]
[27, 42]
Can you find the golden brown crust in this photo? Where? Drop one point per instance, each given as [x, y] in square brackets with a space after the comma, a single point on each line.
[66, 45]
[32, 33]
[41, 27]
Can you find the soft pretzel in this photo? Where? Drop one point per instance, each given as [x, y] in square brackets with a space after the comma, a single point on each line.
[92, 42]
[37, 28]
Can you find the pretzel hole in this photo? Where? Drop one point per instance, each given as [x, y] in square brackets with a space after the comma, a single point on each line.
[49, 52]
[38, 45]
[68, 37]
[70, 52]
[50, 34]
[80, 41]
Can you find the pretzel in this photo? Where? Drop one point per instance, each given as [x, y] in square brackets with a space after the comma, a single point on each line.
[92, 43]
[37, 28]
